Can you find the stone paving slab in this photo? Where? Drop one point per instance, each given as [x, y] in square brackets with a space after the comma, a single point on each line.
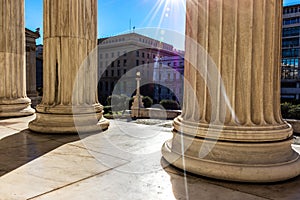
[5, 132]
[123, 162]
[158, 185]
[56, 169]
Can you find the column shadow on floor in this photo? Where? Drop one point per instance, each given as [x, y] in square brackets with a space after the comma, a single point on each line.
[20, 148]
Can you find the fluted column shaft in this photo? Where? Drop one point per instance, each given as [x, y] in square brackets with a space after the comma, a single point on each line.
[13, 99]
[70, 78]
[243, 40]
[231, 113]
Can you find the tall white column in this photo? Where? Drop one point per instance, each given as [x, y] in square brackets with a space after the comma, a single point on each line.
[234, 132]
[70, 102]
[13, 99]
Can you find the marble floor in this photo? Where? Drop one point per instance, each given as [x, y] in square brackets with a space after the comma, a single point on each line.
[123, 162]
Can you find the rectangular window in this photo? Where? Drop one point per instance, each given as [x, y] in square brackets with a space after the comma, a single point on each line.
[119, 72]
[112, 85]
[112, 73]
[106, 86]
[292, 31]
[124, 71]
[143, 55]
[106, 73]
[112, 64]
[137, 62]
[290, 53]
[290, 42]
[119, 63]
[124, 63]
[137, 54]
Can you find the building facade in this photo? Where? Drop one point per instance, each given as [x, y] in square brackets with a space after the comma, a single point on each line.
[168, 77]
[31, 91]
[120, 57]
[290, 74]
[39, 68]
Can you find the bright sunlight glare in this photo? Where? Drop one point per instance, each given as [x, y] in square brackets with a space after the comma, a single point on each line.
[168, 8]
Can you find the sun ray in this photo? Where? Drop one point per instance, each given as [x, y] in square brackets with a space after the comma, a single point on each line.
[153, 13]
[164, 8]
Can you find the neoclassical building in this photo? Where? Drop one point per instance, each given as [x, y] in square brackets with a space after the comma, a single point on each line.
[121, 56]
[31, 91]
[290, 73]
[231, 126]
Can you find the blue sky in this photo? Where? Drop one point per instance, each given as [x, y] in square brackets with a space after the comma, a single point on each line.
[114, 16]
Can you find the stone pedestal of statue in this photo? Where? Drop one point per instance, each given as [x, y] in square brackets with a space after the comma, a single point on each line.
[137, 104]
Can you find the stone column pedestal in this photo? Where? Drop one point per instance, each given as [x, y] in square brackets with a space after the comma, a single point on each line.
[137, 105]
[231, 126]
[13, 99]
[70, 102]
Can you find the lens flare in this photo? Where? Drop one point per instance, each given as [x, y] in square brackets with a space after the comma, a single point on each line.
[166, 9]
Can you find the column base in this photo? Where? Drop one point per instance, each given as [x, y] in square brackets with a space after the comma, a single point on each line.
[60, 123]
[16, 108]
[231, 160]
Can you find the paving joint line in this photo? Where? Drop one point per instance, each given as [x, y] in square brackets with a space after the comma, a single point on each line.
[69, 184]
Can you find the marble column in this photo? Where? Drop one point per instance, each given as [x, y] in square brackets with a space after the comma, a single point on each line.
[232, 129]
[70, 102]
[13, 99]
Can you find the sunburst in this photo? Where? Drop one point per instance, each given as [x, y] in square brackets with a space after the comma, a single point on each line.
[165, 8]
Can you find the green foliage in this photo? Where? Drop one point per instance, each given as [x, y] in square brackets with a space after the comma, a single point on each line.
[118, 102]
[169, 104]
[148, 102]
[107, 109]
[285, 107]
[290, 111]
